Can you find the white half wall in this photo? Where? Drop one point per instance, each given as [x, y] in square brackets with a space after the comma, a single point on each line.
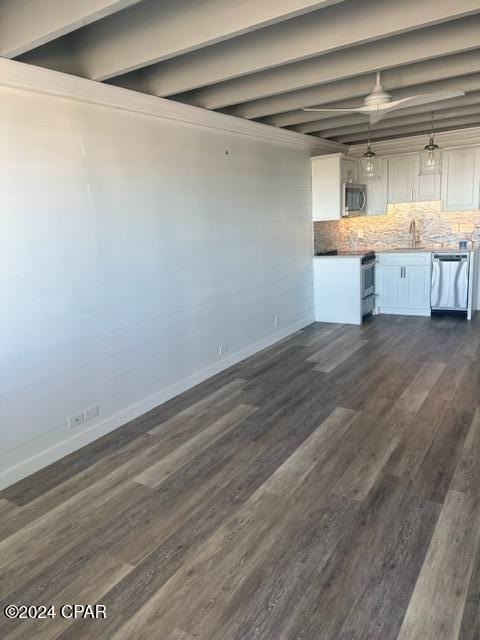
[133, 244]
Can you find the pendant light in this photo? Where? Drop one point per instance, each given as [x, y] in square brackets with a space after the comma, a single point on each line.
[431, 157]
[369, 162]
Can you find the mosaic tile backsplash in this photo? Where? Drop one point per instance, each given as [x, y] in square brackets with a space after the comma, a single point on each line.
[436, 229]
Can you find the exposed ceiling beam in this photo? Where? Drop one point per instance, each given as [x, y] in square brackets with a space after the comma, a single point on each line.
[287, 107]
[419, 128]
[440, 40]
[358, 118]
[26, 24]
[338, 27]
[154, 31]
[400, 121]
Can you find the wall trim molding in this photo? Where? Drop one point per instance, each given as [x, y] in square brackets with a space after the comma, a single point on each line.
[42, 459]
[457, 138]
[26, 77]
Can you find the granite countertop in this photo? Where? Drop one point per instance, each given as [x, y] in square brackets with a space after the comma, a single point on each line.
[427, 249]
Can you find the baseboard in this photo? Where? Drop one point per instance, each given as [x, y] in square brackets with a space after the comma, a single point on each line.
[52, 454]
[395, 311]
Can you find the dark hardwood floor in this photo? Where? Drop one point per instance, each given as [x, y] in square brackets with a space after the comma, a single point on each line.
[327, 488]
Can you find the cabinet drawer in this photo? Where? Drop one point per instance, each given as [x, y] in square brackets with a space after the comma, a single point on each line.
[405, 258]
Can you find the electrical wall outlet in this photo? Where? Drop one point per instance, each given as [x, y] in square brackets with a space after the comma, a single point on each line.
[75, 420]
[222, 349]
[83, 416]
[91, 412]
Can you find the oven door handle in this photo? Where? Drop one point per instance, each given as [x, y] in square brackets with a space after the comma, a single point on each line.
[362, 200]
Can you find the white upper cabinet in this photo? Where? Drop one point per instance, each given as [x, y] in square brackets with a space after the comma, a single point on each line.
[403, 178]
[350, 170]
[377, 190]
[406, 185]
[328, 175]
[461, 179]
[429, 188]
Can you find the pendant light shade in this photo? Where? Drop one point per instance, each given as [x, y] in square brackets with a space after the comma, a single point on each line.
[431, 157]
[369, 165]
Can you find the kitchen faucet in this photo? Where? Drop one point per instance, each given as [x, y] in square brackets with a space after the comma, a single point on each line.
[415, 236]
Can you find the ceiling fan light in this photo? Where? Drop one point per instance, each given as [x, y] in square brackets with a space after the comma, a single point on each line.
[431, 159]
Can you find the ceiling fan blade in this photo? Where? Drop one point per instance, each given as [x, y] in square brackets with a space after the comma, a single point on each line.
[352, 110]
[423, 98]
[412, 101]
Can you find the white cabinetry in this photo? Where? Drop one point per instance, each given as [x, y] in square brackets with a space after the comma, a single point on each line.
[328, 175]
[403, 178]
[377, 190]
[337, 287]
[461, 179]
[403, 283]
[349, 170]
[429, 188]
[406, 185]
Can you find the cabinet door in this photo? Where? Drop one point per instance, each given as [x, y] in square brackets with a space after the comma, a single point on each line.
[402, 178]
[417, 287]
[429, 188]
[461, 177]
[391, 287]
[349, 170]
[377, 191]
[326, 187]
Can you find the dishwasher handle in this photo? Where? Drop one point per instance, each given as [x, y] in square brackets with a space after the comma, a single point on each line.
[450, 258]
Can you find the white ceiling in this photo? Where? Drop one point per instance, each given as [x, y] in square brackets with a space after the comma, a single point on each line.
[265, 60]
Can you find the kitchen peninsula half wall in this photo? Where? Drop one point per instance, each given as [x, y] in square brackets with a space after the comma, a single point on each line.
[435, 227]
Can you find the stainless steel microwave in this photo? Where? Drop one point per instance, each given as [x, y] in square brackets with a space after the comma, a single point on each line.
[354, 199]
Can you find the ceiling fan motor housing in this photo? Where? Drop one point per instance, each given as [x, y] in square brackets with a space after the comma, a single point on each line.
[378, 96]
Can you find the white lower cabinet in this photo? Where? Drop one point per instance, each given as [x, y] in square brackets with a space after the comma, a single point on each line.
[403, 283]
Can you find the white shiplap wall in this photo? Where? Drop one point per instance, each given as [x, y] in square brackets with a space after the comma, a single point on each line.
[132, 247]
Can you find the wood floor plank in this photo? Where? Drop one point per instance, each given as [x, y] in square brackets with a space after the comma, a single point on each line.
[334, 354]
[436, 607]
[470, 627]
[438, 466]
[327, 488]
[88, 587]
[159, 471]
[378, 612]
[417, 391]
[333, 592]
[467, 473]
[407, 457]
[374, 450]
[235, 544]
[198, 408]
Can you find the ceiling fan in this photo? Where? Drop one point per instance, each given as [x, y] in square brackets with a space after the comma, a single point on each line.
[379, 102]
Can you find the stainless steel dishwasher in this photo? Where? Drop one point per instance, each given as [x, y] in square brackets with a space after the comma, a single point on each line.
[450, 276]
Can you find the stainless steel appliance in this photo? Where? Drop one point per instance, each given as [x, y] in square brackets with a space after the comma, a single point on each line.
[450, 278]
[354, 199]
[368, 261]
[367, 267]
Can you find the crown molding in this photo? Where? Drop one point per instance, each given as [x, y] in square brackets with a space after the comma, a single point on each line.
[25, 77]
[446, 139]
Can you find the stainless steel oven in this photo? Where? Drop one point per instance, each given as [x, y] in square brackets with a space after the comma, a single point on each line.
[368, 274]
[354, 201]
